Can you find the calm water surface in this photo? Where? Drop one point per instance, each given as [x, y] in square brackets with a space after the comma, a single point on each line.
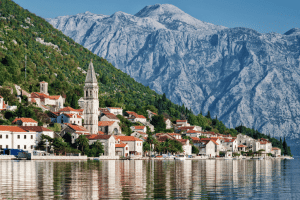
[230, 179]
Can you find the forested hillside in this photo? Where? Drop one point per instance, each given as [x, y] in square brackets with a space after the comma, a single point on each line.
[58, 60]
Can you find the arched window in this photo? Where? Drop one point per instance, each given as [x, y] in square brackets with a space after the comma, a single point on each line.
[90, 93]
[87, 94]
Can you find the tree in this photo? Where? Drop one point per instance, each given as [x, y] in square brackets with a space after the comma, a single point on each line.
[82, 142]
[158, 123]
[95, 149]
[195, 150]
[208, 115]
[68, 138]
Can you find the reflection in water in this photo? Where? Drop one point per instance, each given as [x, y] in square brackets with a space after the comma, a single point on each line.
[148, 179]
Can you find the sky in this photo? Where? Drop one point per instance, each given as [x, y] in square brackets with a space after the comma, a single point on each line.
[262, 15]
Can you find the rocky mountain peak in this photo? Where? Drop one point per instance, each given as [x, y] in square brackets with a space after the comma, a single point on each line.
[293, 31]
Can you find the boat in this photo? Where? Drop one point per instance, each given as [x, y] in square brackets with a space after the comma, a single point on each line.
[180, 157]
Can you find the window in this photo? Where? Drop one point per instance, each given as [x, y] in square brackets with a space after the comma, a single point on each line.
[0, 146]
[18, 146]
[18, 136]
[7, 146]
[0, 136]
[126, 148]
[24, 136]
[6, 136]
[24, 146]
[31, 136]
[31, 146]
[87, 94]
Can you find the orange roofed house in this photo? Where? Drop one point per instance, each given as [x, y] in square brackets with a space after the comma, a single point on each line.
[45, 101]
[135, 144]
[109, 127]
[108, 142]
[74, 130]
[25, 122]
[134, 117]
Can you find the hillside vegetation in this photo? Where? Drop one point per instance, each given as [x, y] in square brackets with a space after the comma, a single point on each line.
[58, 60]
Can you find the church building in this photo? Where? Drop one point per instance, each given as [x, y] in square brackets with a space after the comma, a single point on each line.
[91, 102]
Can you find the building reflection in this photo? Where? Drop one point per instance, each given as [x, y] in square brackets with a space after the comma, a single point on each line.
[134, 179]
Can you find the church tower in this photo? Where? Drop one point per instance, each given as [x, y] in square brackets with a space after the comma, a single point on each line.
[91, 101]
[44, 87]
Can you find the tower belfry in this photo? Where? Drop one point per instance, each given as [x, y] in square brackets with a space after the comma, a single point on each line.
[91, 101]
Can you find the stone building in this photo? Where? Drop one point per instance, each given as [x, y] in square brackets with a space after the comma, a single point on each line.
[91, 102]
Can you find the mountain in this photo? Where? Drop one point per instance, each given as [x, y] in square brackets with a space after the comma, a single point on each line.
[238, 74]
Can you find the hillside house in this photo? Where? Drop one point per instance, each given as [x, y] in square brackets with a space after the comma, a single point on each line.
[108, 142]
[69, 118]
[109, 127]
[134, 117]
[25, 121]
[230, 144]
[265, 145]
[193, 133]
[177, 136]
[206, 147]
[74, 130]
[168, 123]
[122, 149]
[109, 117]
[38, 130]
[150, 114]
[139, 128]
[15, 137]
[186, 146]
[276, 151]
[135, 144]
[115, 111]
[140, 134]
[182, 122]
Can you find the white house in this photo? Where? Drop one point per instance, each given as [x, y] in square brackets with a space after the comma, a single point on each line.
[108, 142]
[69, 118]
[25, 122]
[276, 151]
[244, 140]
[168, 123]
[109, 127]
[230, 144]
[122, 149]
[115, 111]
[206, 147]
[15, 137]
[150, 114]
[175, 135]
[186, 146]
[193, 133]
[139, 134]
[74, 130]
[135, 144]
[2, 104]
[134, 117]
[266, 145]
[182, 122]
[43, 98]
[139, 128]
[109, 117]
[39, 130]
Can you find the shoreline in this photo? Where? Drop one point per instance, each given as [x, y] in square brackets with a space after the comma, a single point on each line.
[83, 158]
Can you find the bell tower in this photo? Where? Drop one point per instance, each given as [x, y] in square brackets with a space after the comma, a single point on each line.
[44, 87]
[91, 101]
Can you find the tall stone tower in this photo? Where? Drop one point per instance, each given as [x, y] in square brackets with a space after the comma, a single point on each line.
[91, 101]
[44, 87]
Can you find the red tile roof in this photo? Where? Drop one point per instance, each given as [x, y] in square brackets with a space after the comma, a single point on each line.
[115, 108]
[275, 148]
[195, 138]
[98, 137]
[1, 97]
[71, 115]
[120, 145]
[173, 134]
[186, 128]
[178, 120]
[67, 109]
[193, 131]
[11, 128]
[76, 127]
[141, 116]
[127, 138]
[35, 128]
[22, 119]
[111, 116]
[101, 133]
[140, 132]
[105, 123]
[54, 97]
[139, 127]
[241, 146]
[229, 140]
[183, 141]
[214, 140]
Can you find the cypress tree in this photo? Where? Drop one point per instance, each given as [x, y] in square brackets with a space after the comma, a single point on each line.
[208, 115]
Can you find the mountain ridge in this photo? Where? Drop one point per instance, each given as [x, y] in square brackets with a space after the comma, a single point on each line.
[238, 74]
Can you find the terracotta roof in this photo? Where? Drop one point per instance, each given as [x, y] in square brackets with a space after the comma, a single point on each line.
[67, 109]
[55, 113]
[79, 110]
[275, 148]
[55, 97]
[101, 133]
[140, 132]
[22, 119]
[11, 128]
[214, 140]
[193, 131]
[178, 120]
[141, 116]
[1, 97]
[43, 82]
[33, 100]
[76, 127]
[98, 137]
[183, 141]
[240, 146]
[186, 127]
[71, 115]
[174, 134]
[127, 138]
[111, 116]
[229, 140]
[195, 138]
[120, 145]
[105, 123]
[139, 127]
[132, 113]
[115, 108]
[34, 128]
